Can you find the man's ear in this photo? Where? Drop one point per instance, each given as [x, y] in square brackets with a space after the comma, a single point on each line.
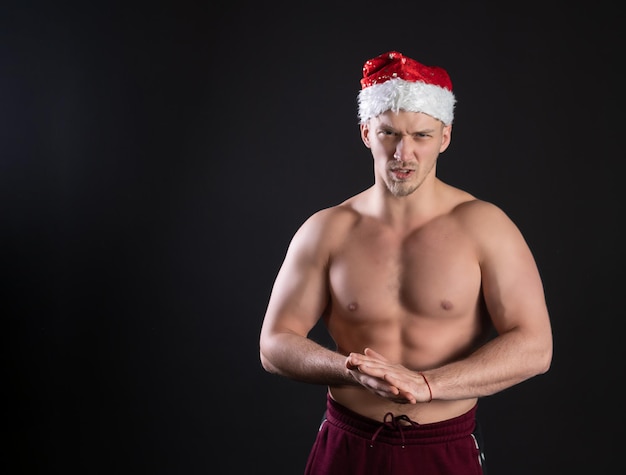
[446, 138]
[365, 131]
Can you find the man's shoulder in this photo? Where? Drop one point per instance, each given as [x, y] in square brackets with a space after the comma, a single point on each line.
[462, 203]
[471, 206]
[326, 228]
[333, 216]
[484, 220]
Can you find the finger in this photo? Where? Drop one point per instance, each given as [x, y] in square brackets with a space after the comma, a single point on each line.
[377, 385]
[374, 354]
[408, 397]
[350, 362]
[373, 369]
[353, 360]
[404, 388]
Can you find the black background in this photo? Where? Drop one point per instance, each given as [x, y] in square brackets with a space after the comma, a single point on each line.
[156, 159]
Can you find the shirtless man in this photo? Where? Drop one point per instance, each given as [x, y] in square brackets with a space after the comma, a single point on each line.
[432, 296]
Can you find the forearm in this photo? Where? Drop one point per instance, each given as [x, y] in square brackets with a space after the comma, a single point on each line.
[302, 359]
[503, 362]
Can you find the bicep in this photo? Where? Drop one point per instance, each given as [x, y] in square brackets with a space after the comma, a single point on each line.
[300, 293]
[512, 285]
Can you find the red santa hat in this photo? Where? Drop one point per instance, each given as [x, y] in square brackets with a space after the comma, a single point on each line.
[394, 82]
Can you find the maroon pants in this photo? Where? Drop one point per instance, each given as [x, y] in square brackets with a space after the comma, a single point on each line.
[350, 444]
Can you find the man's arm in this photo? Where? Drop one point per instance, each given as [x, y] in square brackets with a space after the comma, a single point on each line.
[297, 301]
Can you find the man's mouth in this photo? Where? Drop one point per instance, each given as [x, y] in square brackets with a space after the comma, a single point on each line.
[402, 173]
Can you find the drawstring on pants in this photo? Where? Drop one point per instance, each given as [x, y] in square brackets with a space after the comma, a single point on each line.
[393, 423]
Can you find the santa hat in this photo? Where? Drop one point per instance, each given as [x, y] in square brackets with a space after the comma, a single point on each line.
[394, 82]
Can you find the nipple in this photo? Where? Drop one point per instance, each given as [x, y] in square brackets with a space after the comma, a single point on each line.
[446, 305]
[352, 306]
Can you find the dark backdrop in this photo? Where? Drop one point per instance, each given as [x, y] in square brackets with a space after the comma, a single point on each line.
[156, 160]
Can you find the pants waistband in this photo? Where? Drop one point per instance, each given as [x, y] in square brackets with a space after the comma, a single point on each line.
[392, 430]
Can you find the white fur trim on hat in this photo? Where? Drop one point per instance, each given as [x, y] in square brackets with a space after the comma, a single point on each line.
[398, 94]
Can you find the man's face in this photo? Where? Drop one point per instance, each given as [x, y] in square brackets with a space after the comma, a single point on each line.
[405, 147]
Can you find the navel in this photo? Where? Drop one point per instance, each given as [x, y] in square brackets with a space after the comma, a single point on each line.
[446, 305]
[353, 306]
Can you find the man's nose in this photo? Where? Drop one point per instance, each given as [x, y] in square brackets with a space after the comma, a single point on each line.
[403, 149]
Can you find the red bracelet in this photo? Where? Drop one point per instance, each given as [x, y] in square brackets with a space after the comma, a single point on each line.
[429, 390]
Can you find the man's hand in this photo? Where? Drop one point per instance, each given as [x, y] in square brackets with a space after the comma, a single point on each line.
[391, 381]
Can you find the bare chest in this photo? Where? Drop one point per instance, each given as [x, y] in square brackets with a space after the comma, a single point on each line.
[432, 272]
